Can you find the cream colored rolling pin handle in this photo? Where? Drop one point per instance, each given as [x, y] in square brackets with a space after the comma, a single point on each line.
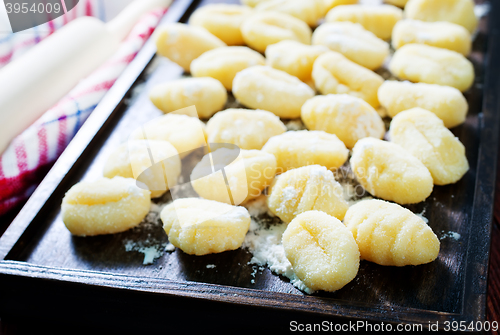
[36, 81]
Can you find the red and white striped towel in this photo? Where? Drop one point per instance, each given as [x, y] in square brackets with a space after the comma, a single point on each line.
[31, 154]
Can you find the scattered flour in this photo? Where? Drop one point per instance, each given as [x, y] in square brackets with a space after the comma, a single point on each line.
[450, 234]
[210, 266]
[150, 251]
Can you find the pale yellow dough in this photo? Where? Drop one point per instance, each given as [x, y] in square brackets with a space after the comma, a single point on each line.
[399, 3]
[348, 117]
[222, 20]
[333, 3]
[424, 135]
[262, 87]
[333, 73]
[388, 171]
[248, 129]
[388, 234]
[446, 102]
[182, 43]
[224, 63]
[253, 3]
[207, 94]
[295, 149]
[132, 159]
[200, 226]
[354, 42]
[105, 206]
[432, 65]
[323, 253]
[310, 11]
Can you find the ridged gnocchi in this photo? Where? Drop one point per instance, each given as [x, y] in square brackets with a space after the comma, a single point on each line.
[310, 11]
[443, 34]
[201, 227]
[182, 43]
[304, 189]
[224, 63]
[348, 117]
[335, 74]
[262, 87]
[380, 20]
[207, 94]
[424, 135]
[266, 28]
[248, 129]
[446, 102]
[295, 149]
[388, 234]
[432, 65]
[323, 253]
[105, 206]
[222, 20]
[388, 171]
[354, 42]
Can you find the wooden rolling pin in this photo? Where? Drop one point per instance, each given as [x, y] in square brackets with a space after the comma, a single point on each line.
[36, 81]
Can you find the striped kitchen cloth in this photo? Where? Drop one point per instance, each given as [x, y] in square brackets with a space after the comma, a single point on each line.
[31, 154]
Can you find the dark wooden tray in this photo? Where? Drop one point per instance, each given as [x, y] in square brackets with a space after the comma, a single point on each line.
[46, 273]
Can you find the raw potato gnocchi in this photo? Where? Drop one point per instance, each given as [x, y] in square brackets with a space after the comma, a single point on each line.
[333, 3]
[424, 135]
[132, 158]
[222, 20]
[266, 28]
[310, 11]
[262, 87]
[182, 43]
[388, 234]
[335, 74]
[431, 65]
[304, 189]
[446, 102]
[323, 253]
[185, 133]
[456, 11]
[207, 94]
[380, 20]
[348, 117]
[294, 58]
[295, 149]
[388, 171]
[354, 42]
[248, 129]
[105, 206]
[224, 63]
[200, 226]
[247, 175]
[444, 35]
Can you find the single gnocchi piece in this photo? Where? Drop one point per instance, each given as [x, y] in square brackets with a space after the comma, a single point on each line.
[456, 11]
[443, 34]
[182, 43]
[248, 129]
[354, 42]
[323, 253]
[201, 227]
[348, 117]
[266, 28]
[380, 20]
[105, 206]
[426, 64]
[184, 132]
[207, 94]
[295, 149]
[446, 102]
[222, 20]
[334, 3]
[310, 11]
[132, 158]
[335, 74]
[262, 87]
[304, 189]
[424, 135]
[389, 234]
[388, 171]
[235, 180]
[294, 58]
